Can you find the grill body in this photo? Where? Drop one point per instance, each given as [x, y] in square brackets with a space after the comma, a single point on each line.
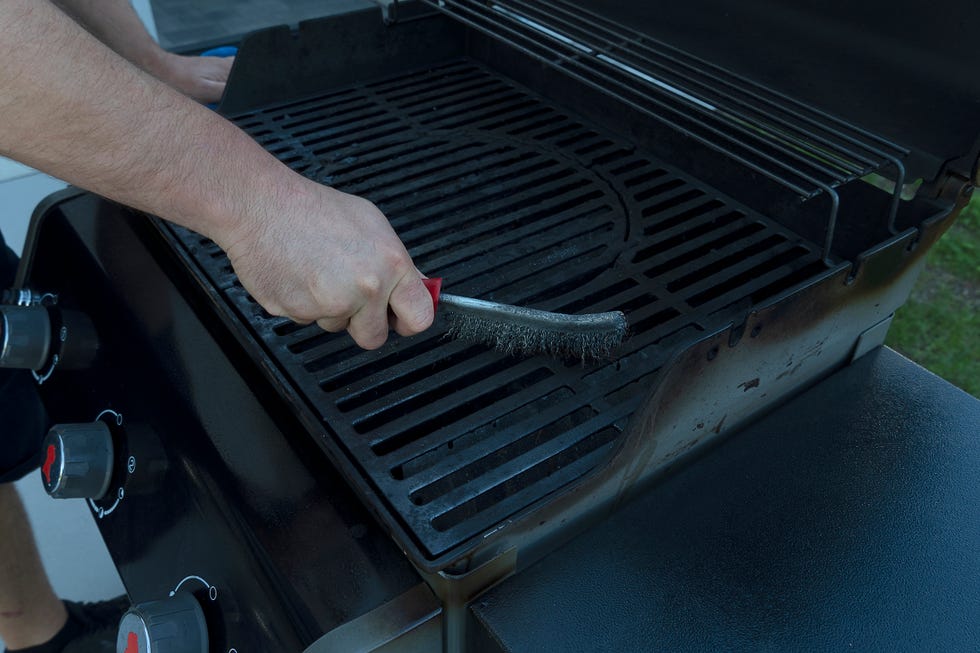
[312, 483]
[529, 199]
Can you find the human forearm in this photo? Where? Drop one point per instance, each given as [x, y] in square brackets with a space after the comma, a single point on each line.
[75, 109]
[72, 108]
[115, 23]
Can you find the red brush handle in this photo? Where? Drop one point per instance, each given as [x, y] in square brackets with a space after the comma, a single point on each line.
[433, 285]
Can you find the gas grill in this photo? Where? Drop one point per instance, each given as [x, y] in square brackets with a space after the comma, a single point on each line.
[288, 490]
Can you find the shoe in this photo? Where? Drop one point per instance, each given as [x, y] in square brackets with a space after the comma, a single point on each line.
[91, 628]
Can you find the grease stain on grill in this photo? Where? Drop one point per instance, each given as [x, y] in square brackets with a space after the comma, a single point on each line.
[510, 198]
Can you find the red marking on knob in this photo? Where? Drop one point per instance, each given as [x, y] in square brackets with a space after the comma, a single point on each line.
[132, 644]
[434, 286]
[48, 461]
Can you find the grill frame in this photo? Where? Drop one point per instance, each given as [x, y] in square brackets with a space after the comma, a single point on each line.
[671, 217]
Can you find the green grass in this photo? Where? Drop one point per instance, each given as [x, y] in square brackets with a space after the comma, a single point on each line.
[939, 327]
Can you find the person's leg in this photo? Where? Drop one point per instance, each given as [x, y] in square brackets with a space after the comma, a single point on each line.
[30, 612]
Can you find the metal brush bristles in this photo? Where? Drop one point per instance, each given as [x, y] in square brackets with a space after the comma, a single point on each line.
[527, 331]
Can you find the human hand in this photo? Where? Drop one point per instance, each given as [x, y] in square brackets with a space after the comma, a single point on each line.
[200, 78]
[325, 256]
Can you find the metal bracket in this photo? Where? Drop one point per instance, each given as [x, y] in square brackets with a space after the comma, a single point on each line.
[412, 620]
[872, 338]
[457, 590]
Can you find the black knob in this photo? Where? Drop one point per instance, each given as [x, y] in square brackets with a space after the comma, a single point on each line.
[173, 625]
[42, 337]
[78, 460]
[26, 337]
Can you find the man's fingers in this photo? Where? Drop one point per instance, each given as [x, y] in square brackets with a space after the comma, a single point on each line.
[369, 326]
[411, 306]
[333, 324]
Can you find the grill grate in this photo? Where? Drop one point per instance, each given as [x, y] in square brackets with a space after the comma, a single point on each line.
[510, 198]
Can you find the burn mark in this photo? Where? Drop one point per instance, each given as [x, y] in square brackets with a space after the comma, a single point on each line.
[748, 385]
[814, 351]
[11, 614]
[717, 428]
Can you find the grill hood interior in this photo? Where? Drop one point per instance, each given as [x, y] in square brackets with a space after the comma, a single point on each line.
[905, 70]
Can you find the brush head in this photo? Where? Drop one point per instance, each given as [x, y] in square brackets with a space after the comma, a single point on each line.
[527, 332]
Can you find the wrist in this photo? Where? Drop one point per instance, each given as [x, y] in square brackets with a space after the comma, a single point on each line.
[158, 62]
[241, 219]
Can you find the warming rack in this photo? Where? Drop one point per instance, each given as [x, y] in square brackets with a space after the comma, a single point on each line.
[801, 148]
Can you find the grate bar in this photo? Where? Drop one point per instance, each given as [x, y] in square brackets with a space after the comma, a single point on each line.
[399, 192]
[764, 249]
[340, 374]
[443, 380]
[364, 172]
[524, 205]
[507, 239]
[482, 418]
[694, 248]
[480, 484]
[446, 397]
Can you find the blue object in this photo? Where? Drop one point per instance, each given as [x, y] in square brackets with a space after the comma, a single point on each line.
[221, 51]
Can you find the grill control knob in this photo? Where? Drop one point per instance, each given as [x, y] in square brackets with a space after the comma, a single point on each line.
[26, 337]
[77, 461]
[174, 625]
[41, 338]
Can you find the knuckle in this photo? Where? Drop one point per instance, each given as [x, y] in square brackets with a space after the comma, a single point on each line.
[370, 286]
[328, 301]
[398, 260]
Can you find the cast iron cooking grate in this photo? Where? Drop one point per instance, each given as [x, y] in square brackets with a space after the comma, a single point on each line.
[511, 198]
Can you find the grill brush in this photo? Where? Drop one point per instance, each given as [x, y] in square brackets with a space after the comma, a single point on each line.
[526, 331]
